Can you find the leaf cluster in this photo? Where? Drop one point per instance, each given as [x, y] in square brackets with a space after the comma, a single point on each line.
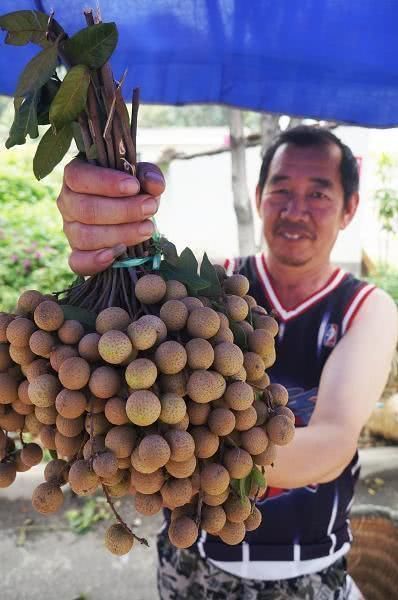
[41, 97]
[243, 486]
[81, 520]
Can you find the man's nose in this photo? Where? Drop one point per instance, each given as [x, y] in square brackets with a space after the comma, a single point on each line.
[295, 208]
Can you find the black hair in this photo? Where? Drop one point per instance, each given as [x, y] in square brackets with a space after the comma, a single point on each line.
[307, 135]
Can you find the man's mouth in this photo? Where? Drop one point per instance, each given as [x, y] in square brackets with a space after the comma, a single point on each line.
[293, 235]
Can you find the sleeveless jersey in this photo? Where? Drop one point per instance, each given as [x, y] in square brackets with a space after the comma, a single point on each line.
[303, 530]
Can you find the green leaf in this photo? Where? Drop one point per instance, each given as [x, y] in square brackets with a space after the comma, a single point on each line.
[47, 94]
[92, 46]
[193, 282]
[92, 152]
[169, 251]
[240, 338]
[24, 26]
[77, 134]
[242, 487]
[207, 271]
[37, 72]
[25, 122]
[84, 316]
[52, 148]
[71, 97]
[187, 262]
[258, 477]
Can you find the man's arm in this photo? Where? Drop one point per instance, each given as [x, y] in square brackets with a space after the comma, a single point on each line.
[352, 381]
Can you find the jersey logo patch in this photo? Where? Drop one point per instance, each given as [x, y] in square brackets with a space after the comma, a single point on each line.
[330, 337]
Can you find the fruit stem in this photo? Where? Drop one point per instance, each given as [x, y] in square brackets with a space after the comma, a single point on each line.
[119, 518]
[199, 508]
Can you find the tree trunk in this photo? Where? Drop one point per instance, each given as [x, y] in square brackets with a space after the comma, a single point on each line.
[269, 130]
[242, 204]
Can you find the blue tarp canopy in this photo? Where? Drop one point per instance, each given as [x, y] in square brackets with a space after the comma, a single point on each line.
[326, 59]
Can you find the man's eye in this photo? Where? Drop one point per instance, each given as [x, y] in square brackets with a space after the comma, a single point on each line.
[318, 195]
[280, 191]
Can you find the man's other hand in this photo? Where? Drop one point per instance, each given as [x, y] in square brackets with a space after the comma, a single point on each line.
[105, 210]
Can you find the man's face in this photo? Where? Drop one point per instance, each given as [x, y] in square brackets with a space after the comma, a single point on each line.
[302, 204]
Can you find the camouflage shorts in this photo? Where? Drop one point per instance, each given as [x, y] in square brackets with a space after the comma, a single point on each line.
[185, 575]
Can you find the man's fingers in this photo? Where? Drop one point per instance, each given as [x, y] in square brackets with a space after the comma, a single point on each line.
[151, 179]
[84, 178]
[97, 210]
[90, 263]
[93, 237]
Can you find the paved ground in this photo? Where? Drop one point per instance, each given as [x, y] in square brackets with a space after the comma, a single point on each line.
[47, 561]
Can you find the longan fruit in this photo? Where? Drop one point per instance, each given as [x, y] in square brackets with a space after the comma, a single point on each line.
[97, 423]
[71, 332]
[143, 408]
[105, 464]
[213, 519]
[47, 437]
[254, 440]
[29, 301]
[224, 334]
[148, 504]
[114, 347]
[11, 420]
[5, 358]
[237, 308]
[198, 413]
[182, 444]
[147, 483]
[232, 533]
[237, 509]
[254, 366]
[32, 424]
[192, 303]
[203, 323]
[21, 408]
[142, 334]
[70, 403]
[183, 424]
[31, 454]
[154, 451]
[5, 320]
[59, 354]
[263, 321]
[267, 457]
[44, 389]
[175, 290]
[93, 446]
[118, 539]
[245, 419]
[8, 389]
[228, 359]
[214, 479]
[237, 284]
[141, 374]
[238, 462]
[81, 477]
[174, 314]
[206, 442]
[176, 492]
[173, 408]
[221, 421]
[74, 373]
[150, 289]
[88, 347]
[203, 386]
[56, 471]
[22, 355]
[48, 315]
[104, 382]
[46, 414]
[67, 446]
[41, 343]
[262, 342]
[112, 318]
[174, 384]
[115, 411]
[278, 394]
[253, 521]
[284, 410]
[170, 357]
[121, 440]
[70, 427]
[37, 367]
[239, 395]
[181, 469]
[280, 430]
[19, 331]
[183, 532]
[8, 473]
[20, 466]
[47, 497]
[200, 353]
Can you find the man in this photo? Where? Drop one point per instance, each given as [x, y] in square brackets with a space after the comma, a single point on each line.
[336, 339]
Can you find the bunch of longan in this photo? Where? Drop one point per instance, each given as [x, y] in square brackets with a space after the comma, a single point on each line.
[174, 407]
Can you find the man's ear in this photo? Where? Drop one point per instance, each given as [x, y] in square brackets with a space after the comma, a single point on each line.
[349, 210]
[258, 200]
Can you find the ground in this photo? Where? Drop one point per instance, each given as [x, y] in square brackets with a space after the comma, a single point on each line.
[41, 558]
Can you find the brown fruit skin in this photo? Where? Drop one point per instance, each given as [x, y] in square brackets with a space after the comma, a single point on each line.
[237, 284]
[118, 539]
[47, 497]
[40, 366]
[8, 473]
[148, 504]
[150, 289]
[19, 331]
[65, 446]
[267, 457]
[47, 437]
[192, 303]
[203, 323]
[237, 509]
[254, 366]
[284, 410]
[143, 408]
[239, 395]
[139, 465]
[280, 430]
[174, 384]
[70, 427]
[197, 413]
[88, 347]
[8, 389]
[121, 440]
[262, 321]
[112, 318]
[204, 386]
[237, 308]
[20, 466]
[200, 353]
[176, 492]
[278, 394]
[60, 354]
[170, 357]
[21, 408]
[245, 419]
[174, 314]
[182, 469]
[32, 424]
[81, 477]
[228, 359]
[141, 374]
[115, 411]
[115, 347]
[70, 403]
[183, 424]
[254, 441]
[238, 462]
[12, 421]
[94, 446]
[5, 358]
[48, 315]
[154, 450]
[31, 454]
[104, 382]
[22, 355]
[173, 409]
[41, 343]
[213, 519]
[253, 521]
[97, 422]
[232, 533]
[5, 320]
[215, 499]
[214, 479]
[262, 342]
[29, 301]
[182, 444]
[221, 421]
[147, 483]
[74, 373]
[105, 464]
[183, 532]
[175, 290]
[43, 390]
[206, 442]
[56, 471]
[262, 412]
[71, 332]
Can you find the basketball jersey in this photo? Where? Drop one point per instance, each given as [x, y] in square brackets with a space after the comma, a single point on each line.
[303, 530]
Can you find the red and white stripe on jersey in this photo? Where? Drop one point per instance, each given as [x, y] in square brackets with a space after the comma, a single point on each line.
[283, 313]
[230, 266]
[353, 307]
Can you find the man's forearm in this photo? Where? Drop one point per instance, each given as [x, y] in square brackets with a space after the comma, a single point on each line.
[317, 454]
